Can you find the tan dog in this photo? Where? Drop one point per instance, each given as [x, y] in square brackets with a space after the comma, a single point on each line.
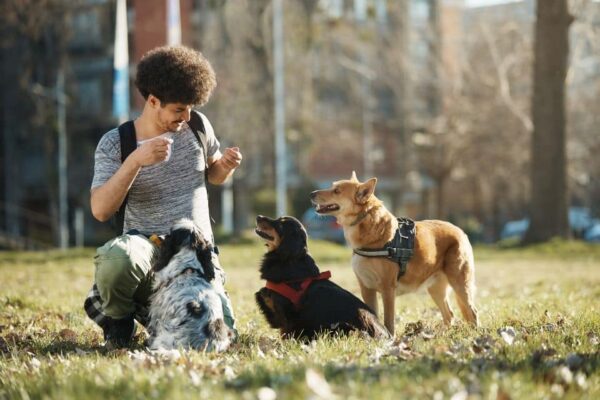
[442, 258]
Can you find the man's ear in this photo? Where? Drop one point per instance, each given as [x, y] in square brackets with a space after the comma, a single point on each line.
[153, 101]
[365, 190]
[353, 178]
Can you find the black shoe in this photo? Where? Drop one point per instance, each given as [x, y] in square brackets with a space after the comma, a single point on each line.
[118, 333]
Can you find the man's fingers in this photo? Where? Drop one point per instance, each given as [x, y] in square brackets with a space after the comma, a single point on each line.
[231, 163]
[233, 155]
[162, 145]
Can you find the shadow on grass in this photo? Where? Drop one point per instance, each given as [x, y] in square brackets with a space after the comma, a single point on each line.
[63, 347]
[419, 369]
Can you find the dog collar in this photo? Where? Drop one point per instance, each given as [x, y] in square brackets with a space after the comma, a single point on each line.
[399, 249]
[295, 295]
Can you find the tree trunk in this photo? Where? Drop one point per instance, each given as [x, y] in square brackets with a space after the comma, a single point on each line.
[549, 192]
[440, 198]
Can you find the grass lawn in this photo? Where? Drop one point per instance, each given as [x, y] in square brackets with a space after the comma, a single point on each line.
[539, 337]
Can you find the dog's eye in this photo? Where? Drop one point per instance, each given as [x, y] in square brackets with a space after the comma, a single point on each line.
[195, 309]
[336, 191]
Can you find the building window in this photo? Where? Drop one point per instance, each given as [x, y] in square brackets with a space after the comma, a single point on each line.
[89, 96]
[86, 28]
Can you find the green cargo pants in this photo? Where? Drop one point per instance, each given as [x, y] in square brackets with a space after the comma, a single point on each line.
[124, 281]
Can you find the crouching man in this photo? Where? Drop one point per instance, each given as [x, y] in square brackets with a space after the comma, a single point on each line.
[159, 174]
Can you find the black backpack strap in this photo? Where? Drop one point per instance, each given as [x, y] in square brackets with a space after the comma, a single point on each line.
[197, 126]
[128, 145]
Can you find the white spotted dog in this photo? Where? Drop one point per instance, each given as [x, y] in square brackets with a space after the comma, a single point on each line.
[185, 310]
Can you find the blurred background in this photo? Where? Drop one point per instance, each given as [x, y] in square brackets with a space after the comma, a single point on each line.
[484, 113]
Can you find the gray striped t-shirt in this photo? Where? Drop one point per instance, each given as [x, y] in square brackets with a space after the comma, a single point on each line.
[165, 192]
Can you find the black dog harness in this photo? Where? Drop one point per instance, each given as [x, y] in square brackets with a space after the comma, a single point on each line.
[400, 249]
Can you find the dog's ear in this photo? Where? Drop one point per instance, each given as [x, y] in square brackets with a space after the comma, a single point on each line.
[204, 254]
[293, 239]
[365, 190]
[170, 246]
[353, 178]
[166, 251]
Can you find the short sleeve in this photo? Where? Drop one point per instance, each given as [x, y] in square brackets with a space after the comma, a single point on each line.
[212, 143]
[107, 159]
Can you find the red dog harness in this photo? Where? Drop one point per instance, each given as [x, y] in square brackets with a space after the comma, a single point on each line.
[292, 294]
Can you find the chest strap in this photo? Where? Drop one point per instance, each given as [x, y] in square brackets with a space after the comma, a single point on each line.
[400, 249]
[295, 295]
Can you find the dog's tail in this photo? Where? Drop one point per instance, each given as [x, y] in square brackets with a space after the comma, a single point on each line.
[466, 254]
[460, 270]
[372, 325]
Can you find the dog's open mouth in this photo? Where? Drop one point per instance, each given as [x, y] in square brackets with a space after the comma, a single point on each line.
[263, 234]
[326, 208]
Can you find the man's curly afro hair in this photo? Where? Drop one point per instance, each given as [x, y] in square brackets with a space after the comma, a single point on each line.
[176, 74]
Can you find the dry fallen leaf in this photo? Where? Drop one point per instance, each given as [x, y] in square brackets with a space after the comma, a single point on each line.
[260, 353]
[266, 393]
[413, 328]
[167, 355]
[502, 395]
[229, 373]
[482, 344]
[34, 363]
[317, 383]
[195, 378]
[67, 335]
[580, 380]
[80, 352]
[462, 395]
[427, 334]
[508, 334]
[563, 375]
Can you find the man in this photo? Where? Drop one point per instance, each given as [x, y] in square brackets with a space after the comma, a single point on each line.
[163, 179]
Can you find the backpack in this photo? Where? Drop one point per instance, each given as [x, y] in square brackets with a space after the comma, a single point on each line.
[129, 144]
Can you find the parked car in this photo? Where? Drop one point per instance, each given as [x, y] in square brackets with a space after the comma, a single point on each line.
[592, 234]
[323, 227]
[581, 223]
[514, 229]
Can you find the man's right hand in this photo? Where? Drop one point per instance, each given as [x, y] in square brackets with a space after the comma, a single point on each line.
[152, 151]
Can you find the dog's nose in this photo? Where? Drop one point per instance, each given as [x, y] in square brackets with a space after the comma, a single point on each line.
[313, 195]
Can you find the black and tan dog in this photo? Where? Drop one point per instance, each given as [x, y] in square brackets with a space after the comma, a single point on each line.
[298, 299]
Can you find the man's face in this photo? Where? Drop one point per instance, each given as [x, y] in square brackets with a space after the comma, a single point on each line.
[170, 116]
